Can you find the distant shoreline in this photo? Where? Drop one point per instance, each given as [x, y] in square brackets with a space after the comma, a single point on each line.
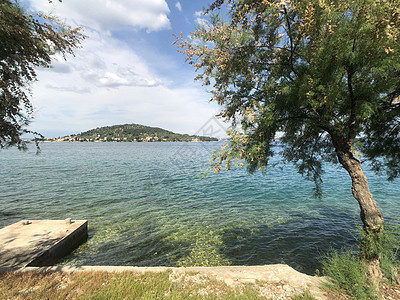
[111, 141]
[130, 133]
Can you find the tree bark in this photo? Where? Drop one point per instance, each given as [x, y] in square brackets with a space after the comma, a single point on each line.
[370, 214]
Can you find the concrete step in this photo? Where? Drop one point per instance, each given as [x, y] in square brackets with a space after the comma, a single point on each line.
[38, 243]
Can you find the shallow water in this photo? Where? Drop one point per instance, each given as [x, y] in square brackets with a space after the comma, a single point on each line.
[148, 206]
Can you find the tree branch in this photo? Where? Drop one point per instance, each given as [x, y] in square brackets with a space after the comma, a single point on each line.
[352, 123]
[289, 32]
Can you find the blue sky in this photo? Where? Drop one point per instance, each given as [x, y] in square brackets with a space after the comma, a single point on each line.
[126, 71]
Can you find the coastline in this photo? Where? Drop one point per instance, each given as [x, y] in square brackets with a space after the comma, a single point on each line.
[276, 281]
[114, 141]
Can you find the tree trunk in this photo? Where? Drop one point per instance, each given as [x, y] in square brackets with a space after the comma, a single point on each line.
[370, 214]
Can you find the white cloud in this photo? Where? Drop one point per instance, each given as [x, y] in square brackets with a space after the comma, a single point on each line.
[178, 6]
[102, 62]
[202, 22]
[107, 83]
[183, 110]
[60, 65]
[73, 89]
[117, 78]
[106, 15]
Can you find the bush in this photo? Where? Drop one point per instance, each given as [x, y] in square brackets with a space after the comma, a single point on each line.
[390, 253]
[348, 273]
[387, 245]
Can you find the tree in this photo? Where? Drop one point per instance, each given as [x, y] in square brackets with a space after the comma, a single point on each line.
[27, 41]
[323, 73]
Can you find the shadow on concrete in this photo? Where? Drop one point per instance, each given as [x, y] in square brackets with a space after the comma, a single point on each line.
[39, 243]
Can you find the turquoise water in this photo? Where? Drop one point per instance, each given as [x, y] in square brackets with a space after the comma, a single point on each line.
[148, 206]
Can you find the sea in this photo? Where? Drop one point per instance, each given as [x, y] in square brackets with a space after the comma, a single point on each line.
[148, 204]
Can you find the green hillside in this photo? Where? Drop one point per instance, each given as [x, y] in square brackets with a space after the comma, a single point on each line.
[133, 133]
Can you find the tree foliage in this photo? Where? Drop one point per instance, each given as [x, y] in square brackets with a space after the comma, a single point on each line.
[324, 73]
[27, 41]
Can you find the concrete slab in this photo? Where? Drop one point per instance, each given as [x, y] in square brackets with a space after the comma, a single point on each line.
[39, 242]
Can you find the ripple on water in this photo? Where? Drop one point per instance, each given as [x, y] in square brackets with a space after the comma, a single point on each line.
[146, 205]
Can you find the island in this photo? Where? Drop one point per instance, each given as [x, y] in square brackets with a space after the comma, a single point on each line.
[130, 133]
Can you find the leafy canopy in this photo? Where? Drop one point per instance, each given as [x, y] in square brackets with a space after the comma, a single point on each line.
[27, 41]
[325, 74]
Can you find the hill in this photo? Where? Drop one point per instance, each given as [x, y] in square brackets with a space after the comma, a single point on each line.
[133, 133]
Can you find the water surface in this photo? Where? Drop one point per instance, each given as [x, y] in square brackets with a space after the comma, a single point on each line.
[148, 206]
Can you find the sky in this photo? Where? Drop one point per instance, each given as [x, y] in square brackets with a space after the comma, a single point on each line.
[126, 70]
